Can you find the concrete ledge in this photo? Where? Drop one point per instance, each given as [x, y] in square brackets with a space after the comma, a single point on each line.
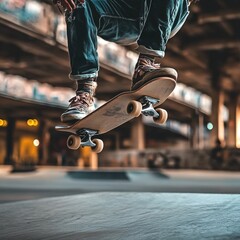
[99, 175]
[127, 175]
[111, 216]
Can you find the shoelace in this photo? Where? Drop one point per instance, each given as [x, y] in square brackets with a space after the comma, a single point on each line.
[147, 63]
[84, 99]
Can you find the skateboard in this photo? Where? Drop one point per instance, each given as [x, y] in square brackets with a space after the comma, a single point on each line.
[119, 110]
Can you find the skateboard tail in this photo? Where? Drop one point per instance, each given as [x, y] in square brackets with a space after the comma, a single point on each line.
[65, 128]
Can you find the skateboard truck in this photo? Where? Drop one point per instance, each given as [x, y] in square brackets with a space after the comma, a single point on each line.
[83, 138]
[147, 106]
[159, 115]
[86, 137]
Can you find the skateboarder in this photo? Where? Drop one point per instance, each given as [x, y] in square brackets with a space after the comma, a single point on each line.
[148, 24]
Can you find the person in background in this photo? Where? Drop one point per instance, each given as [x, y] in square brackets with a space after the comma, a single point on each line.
[217, 155]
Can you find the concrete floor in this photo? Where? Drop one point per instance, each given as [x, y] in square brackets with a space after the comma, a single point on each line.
[65, 203]
[112, 216]
[52, 181]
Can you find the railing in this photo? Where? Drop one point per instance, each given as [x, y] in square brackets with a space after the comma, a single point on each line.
[21, 88]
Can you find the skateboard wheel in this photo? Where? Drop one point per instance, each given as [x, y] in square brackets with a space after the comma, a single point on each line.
[99, 145]
[163, 116]
[134, 108]
[73, 142]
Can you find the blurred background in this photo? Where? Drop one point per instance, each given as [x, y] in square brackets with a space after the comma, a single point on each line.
[202, 131]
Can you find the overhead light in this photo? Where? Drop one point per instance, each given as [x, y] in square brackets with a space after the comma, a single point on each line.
[36, 142]
[3, 123]
[32, 122]
[209, 126]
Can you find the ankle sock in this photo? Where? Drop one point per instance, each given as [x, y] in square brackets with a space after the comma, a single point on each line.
[88, 85]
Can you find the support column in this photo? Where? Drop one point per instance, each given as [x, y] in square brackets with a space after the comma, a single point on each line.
[200, 131]
[237, 119]
[94, 161]
[217, 117]
[117, 141]
[138, 135]
[216, 64]
[232, 123]
[10, 141]
[194, 132]
[197, 136]
[43, 135]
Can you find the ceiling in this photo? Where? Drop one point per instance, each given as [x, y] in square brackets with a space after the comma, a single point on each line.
[206, 51]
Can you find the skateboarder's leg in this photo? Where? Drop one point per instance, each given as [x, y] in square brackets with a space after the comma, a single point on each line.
[82, 48]
[120, 20]
[165, 18]
[82, 42]
[110, 20]
[105, 18]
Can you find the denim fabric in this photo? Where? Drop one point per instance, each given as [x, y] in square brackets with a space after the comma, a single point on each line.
[147, 23]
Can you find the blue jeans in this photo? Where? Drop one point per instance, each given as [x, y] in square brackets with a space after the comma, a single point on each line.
[147, 23]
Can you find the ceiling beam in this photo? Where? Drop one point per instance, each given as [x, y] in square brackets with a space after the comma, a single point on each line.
[190, 56]
[219, 16]
[213, 44]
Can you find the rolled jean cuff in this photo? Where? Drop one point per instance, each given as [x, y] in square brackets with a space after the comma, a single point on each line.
[156, 53]
[83, 76]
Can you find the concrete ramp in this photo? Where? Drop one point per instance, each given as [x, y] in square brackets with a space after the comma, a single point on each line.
[99, 175]
[116, 175]
[113, 216]
[146, 175]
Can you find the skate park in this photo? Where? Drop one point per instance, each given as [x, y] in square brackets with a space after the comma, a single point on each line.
[150, 181]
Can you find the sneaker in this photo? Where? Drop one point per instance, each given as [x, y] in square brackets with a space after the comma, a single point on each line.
[147, 70]
[82, 104]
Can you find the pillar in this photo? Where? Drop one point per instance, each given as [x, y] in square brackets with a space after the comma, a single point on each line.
[194, 132]
[237, 133]
[43, 136]
[232, 123]
[94, 161]
[10, 141]
[200, 131]
[137, 134]
[197, 133]
[217, 117]
[117, 141]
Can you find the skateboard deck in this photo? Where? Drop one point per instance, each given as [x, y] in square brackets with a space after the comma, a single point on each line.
[119, 110]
